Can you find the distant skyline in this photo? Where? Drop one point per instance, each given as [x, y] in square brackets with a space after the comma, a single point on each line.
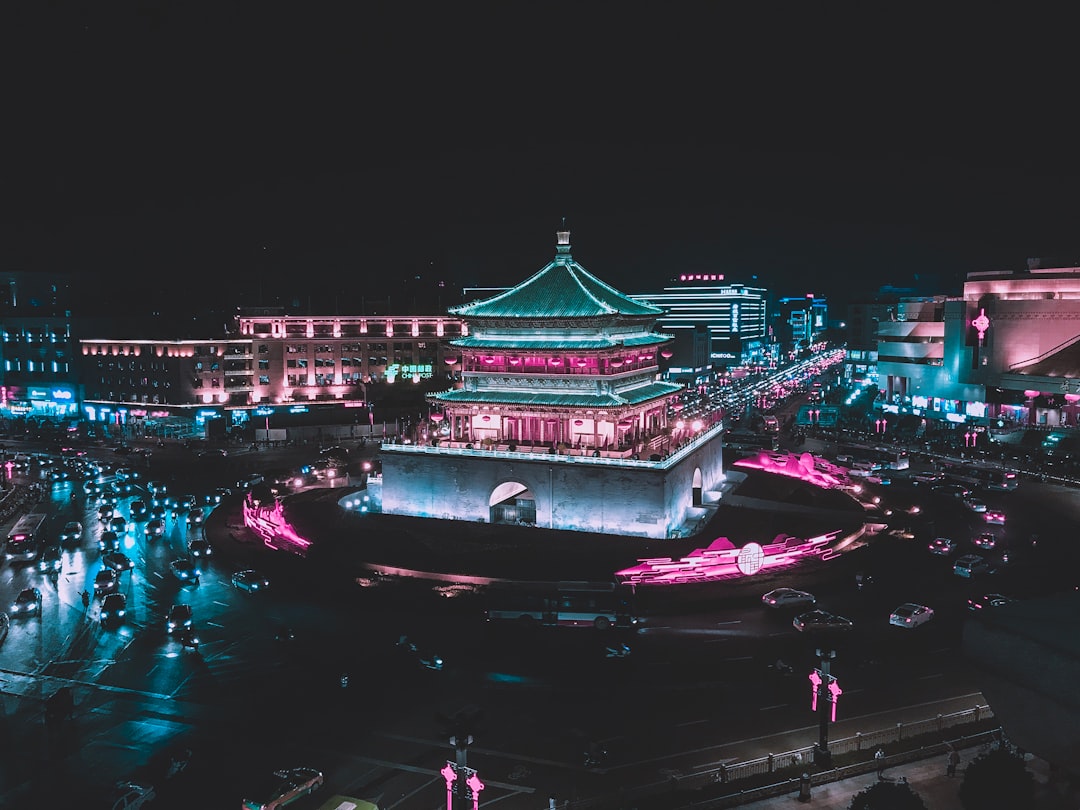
[164, 154]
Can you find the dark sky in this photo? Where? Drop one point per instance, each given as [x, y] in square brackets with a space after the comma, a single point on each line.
[231, 152]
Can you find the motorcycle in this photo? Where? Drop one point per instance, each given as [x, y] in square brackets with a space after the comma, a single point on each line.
[621, 651]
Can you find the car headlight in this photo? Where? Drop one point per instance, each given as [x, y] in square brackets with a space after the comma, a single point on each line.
[172, 625]
[120, 612]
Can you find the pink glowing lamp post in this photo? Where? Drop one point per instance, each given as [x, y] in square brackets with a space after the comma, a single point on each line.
[450, 775]
[820, 678]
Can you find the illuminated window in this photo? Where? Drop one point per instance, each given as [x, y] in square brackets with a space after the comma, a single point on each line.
[264, 379]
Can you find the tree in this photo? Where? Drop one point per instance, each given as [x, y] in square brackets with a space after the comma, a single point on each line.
[997, 779]
[888, 796]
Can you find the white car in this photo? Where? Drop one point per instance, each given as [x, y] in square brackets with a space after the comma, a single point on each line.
[974, 504]
[995, 517]
[250, 581]
[909, 615]
[788, 597]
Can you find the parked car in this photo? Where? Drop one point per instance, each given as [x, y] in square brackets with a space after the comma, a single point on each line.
[910, 615]
[971, 566]
[282, 788]
[27, 603]
[820, 620]
[788, 597]
[250, 581]
[942, 546]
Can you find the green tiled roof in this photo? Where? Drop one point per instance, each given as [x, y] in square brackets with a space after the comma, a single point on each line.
[563, 289]
[526, 344]
[559, 399]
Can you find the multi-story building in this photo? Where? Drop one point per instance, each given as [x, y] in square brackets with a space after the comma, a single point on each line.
[801, 322]
[734, 316]
[560, 418]
[1007, 350]
[36, 347]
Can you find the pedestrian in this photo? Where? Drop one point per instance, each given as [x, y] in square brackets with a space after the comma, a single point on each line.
[879, 758]
[954, 761]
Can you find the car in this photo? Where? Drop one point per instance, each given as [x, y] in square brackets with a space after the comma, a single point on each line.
[974, 504]
[282, 788]
[250, 581]
[953, 490]
[788, 597]
[91, 487]
[909, 615]
[179, 617]
[106, 581]
[155, 527]
[131, 795]
[972, 565]
[118, 524]
[126, 474]
[113, 608]
[138, 509]
[200, 547]
[27, 603]
[196, 516]
[820, 620]
[942, 546]
[185, 501]
[185, 571]
[119, 487]
[221, 492]
[214, 452]
[109, 541]
[985, 541]
[118, 561]
[995, 517]
[108, 498]
[157, 487]
[158, 511]
[211, 498]
[72, 532]
[5, 624]
[50, 562]
[988, 600]
[105, 512]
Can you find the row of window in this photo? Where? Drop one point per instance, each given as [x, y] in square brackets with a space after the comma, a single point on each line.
[36, 366]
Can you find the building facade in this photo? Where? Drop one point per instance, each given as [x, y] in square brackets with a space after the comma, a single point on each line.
[560, 418]
[1006, 351]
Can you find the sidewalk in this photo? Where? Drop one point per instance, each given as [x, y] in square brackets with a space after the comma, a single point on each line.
[926, 777]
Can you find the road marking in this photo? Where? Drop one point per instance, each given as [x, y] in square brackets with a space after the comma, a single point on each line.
[215, 624]
[718, 640]
[928, 677]
[159, 575]
[223, 604]
[736, 621]
[690, 723]
[770, 708]
[741, 658]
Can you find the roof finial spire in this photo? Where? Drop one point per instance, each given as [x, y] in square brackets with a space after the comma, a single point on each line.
[562, 240]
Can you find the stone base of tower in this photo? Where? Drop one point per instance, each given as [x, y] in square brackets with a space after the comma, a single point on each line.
[577, 493]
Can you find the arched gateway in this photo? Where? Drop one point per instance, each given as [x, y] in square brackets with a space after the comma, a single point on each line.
[512, 502]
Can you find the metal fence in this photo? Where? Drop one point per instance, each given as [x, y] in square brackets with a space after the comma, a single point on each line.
[777, 763]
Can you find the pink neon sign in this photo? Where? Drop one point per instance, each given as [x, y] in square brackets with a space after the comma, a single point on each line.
[449, 774]
[270, 524]
[815, 687]
[834, 692]
[806, 467]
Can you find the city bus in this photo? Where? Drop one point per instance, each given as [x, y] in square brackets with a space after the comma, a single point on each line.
[25, 539]
[563, 604]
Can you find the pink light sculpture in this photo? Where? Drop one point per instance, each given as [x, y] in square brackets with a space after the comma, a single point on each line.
[805, 467]
[721, 560]
[270, 524]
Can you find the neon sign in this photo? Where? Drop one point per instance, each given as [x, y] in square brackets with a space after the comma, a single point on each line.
[981, 324]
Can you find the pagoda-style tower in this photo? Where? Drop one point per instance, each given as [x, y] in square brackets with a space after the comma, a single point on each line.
[560, 419]
[560, 361]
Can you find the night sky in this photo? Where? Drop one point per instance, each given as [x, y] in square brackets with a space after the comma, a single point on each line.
[217, 153]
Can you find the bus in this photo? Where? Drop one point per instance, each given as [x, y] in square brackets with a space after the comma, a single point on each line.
[601, 605]
[873, 459]
[25, 539]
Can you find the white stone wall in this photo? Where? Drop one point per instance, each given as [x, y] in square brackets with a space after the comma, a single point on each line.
[577, 495]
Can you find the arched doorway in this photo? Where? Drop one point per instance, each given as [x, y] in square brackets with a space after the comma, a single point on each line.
[697, 487]
[512, 502]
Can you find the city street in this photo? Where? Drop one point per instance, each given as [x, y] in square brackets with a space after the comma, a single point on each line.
[698, 680]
